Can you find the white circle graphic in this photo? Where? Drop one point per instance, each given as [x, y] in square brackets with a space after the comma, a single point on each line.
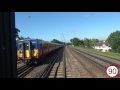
[112, 71]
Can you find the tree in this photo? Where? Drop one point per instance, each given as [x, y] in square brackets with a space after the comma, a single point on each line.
[57, 41]
[75, 41]
[16, 33]
[94, 41]
[114, 41]
[87, 42]
[71, 40]
[21, 38]
[97, 40]
[81, 42]
[68, 43]
[27, 38]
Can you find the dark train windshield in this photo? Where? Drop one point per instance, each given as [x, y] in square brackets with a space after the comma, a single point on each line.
[20, 46]
[26, 46]
[33, 45]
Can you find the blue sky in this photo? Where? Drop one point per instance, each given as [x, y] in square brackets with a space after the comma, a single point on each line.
[51, 25]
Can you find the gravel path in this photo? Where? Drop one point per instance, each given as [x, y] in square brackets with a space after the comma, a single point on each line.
[20, 64]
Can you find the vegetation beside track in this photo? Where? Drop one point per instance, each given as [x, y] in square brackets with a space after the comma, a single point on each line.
[111, 54]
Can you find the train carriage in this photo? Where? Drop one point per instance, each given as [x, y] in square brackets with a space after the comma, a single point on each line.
[33, 49]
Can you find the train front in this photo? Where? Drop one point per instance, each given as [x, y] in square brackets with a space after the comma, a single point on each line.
[23, 50]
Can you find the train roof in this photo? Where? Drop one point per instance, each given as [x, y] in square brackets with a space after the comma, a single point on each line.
[39, 40]
[28, 39]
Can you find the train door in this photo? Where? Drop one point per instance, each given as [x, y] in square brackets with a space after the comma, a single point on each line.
[23, 50]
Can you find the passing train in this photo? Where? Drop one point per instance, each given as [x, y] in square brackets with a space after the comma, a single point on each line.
[30, 50]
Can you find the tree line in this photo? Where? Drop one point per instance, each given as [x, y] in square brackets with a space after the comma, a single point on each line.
[113, 39]
[57, 41]
[89, 43]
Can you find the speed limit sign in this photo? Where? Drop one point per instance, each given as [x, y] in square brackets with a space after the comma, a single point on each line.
[112, 71]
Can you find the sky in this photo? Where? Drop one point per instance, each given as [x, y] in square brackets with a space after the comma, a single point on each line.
[64, 26]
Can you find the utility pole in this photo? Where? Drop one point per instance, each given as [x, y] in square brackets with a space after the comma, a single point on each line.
[64, 38]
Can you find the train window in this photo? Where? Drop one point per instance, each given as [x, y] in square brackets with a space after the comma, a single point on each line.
[20, 46]
[26, 46]
[40, 45]
[45, 47]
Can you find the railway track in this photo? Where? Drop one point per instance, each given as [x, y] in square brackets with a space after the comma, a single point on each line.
[46, 64]
[59, 68]
[100, 55]
[18, 62]
[70, 70]
[45, 73]
[97, 59]
[75, 66]
[24, 70]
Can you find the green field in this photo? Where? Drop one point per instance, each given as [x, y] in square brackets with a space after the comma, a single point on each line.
[111, 54]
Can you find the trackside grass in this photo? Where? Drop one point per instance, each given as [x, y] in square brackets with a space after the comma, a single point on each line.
[111, 54]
